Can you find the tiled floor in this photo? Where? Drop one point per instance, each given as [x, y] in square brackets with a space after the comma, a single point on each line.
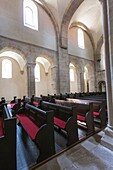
[92, 154]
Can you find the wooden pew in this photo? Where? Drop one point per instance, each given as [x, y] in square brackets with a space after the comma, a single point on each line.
[64, 118]
[99, 110]
[84, 114]
[8, 141]
[39, 126]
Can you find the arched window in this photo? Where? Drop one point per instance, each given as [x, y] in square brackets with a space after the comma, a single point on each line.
[80, 38]
[6, 69]
[72, 75]
[37, 73]
[30, 14]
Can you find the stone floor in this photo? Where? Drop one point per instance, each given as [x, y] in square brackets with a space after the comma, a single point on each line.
[95, 153]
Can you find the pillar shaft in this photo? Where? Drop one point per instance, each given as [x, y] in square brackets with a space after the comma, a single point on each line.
[108, 55]
[31, 79]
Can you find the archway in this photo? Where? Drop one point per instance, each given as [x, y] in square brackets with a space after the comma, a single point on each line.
[16, 84]
[89, 78]
[73, 78]
[43, 80]
[102, 86]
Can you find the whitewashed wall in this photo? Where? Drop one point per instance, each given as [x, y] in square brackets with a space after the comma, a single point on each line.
[11, 25]
[73, 48]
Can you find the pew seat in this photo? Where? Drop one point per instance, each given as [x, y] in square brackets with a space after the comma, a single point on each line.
[29, 126]
[39, 125]
[60, 123]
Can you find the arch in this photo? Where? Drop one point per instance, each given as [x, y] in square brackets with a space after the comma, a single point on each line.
[102, 86]
[44, 86]
[84, 28]
[17, 84]
[20, 59]
[66, 20]
[90, 82]
[46, 64]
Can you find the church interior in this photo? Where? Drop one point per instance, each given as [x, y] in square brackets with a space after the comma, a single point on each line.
[56, 100]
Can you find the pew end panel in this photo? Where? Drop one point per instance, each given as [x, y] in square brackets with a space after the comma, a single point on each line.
[65, 118]
[8, 142]
[71, 126]
[86, 110]
[46, 133]
[43, 122]
[101, 117]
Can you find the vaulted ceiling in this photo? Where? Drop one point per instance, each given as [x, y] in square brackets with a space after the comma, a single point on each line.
[89, 13]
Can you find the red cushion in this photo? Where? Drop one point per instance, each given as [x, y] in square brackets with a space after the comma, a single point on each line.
[1, 127]
[28, 125]
[81, 118]
[59, 123]
[12, 105]
[35, 103]
[96, 113]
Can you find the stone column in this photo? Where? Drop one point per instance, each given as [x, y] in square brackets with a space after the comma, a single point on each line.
[64, 81]
[54, 75]
[31, 79]
[107, 10]
[82, 83]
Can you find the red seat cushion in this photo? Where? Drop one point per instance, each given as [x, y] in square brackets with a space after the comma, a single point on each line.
[12, 105]
[35, 103]
[59, 123]
[96, 113]
[81, 118]
[1, 127]
[28, 125]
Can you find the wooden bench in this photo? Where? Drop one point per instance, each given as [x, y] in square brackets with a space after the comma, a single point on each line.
[99, 110]
[40, 127]
[65, 118]
[84, 113]
[7, 140]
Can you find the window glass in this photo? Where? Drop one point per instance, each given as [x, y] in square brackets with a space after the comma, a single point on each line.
[80, 38]
[6, 68]
[37, 73]
[30, 14]
[72, 74]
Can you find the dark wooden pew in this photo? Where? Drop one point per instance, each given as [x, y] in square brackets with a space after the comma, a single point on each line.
[84, 114]
[64, 118]
[99, 110]
[40, 127]
[7, 141]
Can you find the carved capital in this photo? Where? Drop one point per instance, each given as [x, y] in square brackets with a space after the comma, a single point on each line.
[101, 1]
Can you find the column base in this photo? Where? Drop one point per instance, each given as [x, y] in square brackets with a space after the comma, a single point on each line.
[107, 138]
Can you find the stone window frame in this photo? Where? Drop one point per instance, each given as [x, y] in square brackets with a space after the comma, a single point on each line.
[30, 6]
